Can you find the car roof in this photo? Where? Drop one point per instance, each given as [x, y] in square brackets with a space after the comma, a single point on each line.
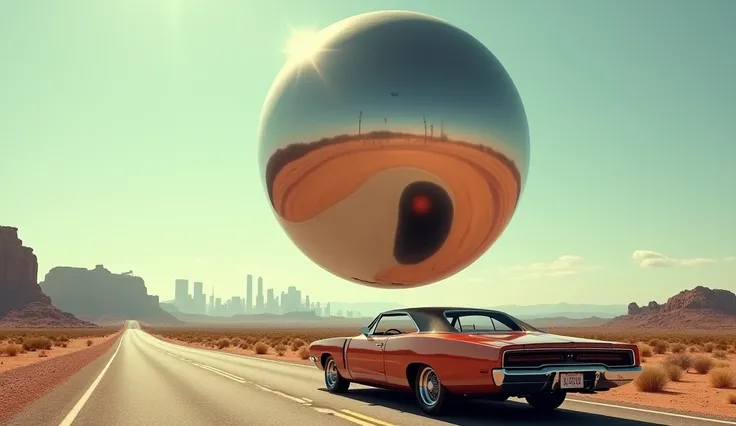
[432, 319]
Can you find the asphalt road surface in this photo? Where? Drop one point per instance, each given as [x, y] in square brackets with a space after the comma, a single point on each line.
[146, 381]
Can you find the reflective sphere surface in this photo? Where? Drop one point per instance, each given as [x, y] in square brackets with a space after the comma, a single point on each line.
[394, 151]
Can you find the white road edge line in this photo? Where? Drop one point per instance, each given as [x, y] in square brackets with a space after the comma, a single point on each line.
[307, 399]
[222, 373]
[643, 410]
[69, 419]
[178, 346]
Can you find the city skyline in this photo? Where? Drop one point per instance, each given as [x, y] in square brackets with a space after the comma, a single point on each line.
[291, 300]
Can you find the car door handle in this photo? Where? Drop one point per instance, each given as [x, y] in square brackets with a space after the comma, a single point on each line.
[379, 344]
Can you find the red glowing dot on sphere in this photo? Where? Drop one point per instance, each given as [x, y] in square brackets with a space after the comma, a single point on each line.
[421, 204]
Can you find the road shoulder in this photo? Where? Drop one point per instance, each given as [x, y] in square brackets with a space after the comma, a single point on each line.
[33, 394]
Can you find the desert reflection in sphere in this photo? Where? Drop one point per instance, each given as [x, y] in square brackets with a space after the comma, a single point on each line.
[394, 150]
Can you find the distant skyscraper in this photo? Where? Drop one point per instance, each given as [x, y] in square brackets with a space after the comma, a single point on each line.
[181, 295]
[270, 302]
[249, 295]
[211, 311]
[199, 299]
[259, 296]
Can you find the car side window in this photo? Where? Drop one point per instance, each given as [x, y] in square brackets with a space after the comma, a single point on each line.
[476, 323]
[389, 324]
[499, 326]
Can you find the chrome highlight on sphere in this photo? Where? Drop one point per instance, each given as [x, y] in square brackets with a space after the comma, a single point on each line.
[394, 153]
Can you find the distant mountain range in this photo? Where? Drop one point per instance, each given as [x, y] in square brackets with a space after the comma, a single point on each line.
[567, 310]
[549, 310]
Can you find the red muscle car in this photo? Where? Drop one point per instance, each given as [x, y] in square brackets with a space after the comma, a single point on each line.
[440, 353]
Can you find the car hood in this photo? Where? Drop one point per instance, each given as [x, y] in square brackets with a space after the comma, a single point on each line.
[533, 339]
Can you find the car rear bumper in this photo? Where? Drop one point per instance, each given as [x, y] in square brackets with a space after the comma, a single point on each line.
[595, 378]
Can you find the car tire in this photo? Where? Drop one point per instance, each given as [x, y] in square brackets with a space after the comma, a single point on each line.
[546, 401]
[334, 381]
[432, 396]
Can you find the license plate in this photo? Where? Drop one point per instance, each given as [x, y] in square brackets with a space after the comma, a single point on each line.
[571, 380]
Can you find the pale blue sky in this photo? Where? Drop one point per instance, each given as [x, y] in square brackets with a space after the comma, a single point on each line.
[128, 138]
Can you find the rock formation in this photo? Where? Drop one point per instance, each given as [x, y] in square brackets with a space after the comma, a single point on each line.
[98, 294]
[22, 302]
[699, 308]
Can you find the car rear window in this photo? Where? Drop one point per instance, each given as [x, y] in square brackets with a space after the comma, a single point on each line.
[476, 322]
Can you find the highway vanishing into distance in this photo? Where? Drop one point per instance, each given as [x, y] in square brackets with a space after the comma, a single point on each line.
[146, 381]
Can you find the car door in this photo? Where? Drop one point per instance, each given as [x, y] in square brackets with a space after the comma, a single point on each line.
[366, 353]
[365, 358]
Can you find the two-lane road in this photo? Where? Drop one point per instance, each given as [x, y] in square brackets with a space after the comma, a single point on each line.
[146, 381]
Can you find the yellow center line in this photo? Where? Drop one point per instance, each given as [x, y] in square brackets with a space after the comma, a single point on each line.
[367, 418]
[352, 419]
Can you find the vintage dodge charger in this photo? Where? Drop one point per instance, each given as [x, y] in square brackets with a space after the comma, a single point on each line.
[440, 353]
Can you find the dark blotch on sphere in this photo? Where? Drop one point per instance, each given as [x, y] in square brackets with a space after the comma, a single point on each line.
[396, 154]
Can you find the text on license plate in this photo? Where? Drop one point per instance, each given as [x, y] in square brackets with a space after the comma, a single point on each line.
[571, 380]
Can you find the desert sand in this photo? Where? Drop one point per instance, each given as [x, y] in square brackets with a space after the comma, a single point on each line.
[25, 358]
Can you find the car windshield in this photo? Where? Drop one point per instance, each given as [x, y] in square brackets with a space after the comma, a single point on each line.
[482, 322]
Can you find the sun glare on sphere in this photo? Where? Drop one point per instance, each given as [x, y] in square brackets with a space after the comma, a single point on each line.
[303, 45]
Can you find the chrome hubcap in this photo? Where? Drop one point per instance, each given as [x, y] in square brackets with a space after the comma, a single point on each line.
[429, 387]
[331, 374]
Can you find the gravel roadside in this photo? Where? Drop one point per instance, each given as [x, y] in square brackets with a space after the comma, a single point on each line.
[21, 386]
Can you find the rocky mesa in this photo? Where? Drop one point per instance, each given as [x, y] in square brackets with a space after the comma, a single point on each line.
[699, 308]
[22, 302]
[104, 297]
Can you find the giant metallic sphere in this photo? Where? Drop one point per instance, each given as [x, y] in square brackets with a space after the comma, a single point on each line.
[394, 151]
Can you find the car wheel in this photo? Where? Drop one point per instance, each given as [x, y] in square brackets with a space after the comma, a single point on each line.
[431, 394]
[333, 380]
[546, 401]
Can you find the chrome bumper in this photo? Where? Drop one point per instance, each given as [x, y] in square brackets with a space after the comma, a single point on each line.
[521, 381]
[315, 361]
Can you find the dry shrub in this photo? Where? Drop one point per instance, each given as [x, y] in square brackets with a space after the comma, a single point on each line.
[644, 350]
[260, 348]
[702, 364]
[658, 346]
[681, 360]
[296, 344]
[678, 348]
[732, 350]
[721, 346]
[708, 347]
[303, 352]
[35, 343]
[280, 349]
[652, 379]
[89, 343]
[235, 341]
[719, 354]
[694, 349]
[12, 349]
[42, 353]
[674, 372]
[223, 343]
[722, 378]
[731, 398]
[721, 364]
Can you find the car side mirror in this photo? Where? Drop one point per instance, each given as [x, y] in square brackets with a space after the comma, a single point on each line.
[365, 331]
